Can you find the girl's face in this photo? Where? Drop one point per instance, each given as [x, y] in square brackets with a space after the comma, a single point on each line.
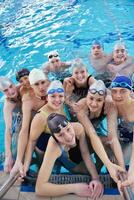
[95, 102]
[11, 91]
[55, 100]
[80, 75]
[120, 95]
[24, 81]
[119, 55]
[40, 87]
[66, 136]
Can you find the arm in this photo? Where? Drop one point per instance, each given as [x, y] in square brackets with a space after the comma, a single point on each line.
[37, 127]
[23, 135]
[46, 68]
[97, 145]
[85, 152]
[112, 129]
[44, 188]
[130, 178]
[91, 80]
[8, 109]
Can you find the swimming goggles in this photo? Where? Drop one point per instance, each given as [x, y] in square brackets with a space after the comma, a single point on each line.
[58, 90]
[51, 56]
[121, 84]
[100, 92]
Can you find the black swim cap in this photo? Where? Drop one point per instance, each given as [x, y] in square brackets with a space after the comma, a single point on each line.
[21, 73]
[56, 122]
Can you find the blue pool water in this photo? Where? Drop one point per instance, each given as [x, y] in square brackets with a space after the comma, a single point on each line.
[29, 29]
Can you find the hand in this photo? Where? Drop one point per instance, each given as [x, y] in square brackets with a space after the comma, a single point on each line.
[18, 167]
[8, 164]
[114, 170]
[82, 190]
[96, 188]
[69, 85]
[129, 181]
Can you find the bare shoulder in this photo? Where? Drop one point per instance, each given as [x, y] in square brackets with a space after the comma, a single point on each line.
[8, 105]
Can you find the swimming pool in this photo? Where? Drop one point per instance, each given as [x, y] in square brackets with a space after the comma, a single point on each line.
[29, 29]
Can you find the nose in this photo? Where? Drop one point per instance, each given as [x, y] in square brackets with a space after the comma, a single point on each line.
[79, 75]
[57, 99]
[26, 82]
[94, 104]
[67, 136]
[11, 91]
[41, 87]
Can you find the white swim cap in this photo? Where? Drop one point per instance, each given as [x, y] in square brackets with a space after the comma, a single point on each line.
[36, 75]
[55, 86]
[4, 83]
[98, 87]
[53, 54]
[119, 46]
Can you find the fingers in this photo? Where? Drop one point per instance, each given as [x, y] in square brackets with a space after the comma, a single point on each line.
[126, 183]
[119, 184]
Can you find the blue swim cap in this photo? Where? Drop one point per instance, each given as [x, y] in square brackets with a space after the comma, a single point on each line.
[96, 42]
[121, 81]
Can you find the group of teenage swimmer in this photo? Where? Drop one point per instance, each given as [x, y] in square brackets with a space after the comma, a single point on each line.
[64, 115]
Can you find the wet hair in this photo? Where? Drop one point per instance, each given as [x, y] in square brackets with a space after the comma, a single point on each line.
[78, 63]
[119, 45]
[21, 73]
[56, 122]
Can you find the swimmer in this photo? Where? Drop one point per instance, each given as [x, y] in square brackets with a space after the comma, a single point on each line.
[55, 69]
[98, 58]
[32, 101]
[22, 78]
[39, 131]
[12, 100]
[121, 91]
[121, 64]
[63, 138]
[76, 86]
[91, 115]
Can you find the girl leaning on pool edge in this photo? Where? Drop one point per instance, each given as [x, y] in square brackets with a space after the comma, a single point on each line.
[63, 138]
[94, 109]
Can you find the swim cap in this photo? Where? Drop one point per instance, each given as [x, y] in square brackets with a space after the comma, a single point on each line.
[53, 54]
[21, 73]
[98, 87]
[36, 75]
[4, 83]
[119, 46]
[56, 122]
[121, 81]
[55, 86]
[96, 42]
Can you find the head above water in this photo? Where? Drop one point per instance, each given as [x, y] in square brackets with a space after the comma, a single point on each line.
[121, 82]
[53, 54]
[55, 87]
[5, 83]
[36, 75]
[56, 122]
[98, 87]
[21, 73]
